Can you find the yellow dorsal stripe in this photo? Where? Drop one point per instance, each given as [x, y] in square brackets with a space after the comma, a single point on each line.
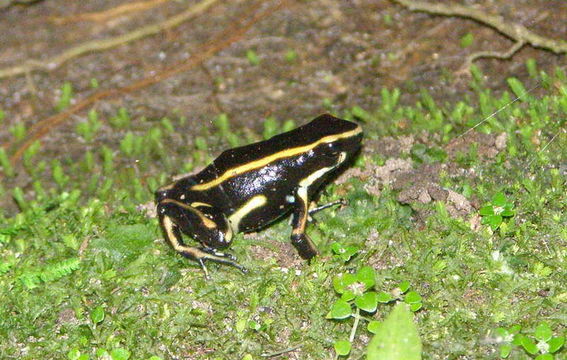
[274, 157]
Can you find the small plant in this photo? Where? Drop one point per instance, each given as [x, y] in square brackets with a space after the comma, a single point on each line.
[5, 163]
[271, 127]
[493, 213]
[357, 294]
[121, 120]
[467, 40]
[546, 344]
[19, 131]
[29, 154]
[58, 174]
[87, 129]
[389, 99]
[252, 57]
[345, 252]
[66, 96]
[291, 55]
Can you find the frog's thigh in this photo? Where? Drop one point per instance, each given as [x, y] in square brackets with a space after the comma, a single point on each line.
[173, 237]
[299, 238]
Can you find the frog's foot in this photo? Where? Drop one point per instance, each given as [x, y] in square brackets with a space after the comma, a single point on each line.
[313, 210]
[215, 252]
[208, 254]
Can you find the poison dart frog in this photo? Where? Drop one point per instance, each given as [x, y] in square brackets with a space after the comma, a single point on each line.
[249, 187]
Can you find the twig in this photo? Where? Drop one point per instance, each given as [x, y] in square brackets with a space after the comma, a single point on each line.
[108, 14]
[518, 33]
[103, 44]
[225, 39]
[281, 352]
[490, 54]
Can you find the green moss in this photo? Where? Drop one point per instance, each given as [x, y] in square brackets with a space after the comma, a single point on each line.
[67, 254]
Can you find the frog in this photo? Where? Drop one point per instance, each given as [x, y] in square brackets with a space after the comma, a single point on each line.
[248, 188]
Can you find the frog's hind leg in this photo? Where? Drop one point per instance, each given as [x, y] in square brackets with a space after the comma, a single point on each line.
[172, 235]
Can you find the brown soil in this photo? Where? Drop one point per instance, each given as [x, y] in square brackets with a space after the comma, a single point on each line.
[347, 51]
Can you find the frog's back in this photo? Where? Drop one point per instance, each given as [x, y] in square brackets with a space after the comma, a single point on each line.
[321, 129]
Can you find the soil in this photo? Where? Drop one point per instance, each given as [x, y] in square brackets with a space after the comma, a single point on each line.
[346, 51]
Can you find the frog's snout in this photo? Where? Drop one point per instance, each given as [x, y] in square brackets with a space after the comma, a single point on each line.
[160, 195]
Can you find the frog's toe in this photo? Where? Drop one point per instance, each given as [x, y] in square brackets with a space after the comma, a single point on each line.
[215, 252]
[225, 260]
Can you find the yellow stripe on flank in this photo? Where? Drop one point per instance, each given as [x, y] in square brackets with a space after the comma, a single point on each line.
[274, 157]
[254, 203]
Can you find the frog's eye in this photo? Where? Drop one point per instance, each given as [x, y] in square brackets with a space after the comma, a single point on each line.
[160, 195]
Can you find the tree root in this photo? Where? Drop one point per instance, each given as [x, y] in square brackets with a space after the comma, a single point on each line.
[516, 32]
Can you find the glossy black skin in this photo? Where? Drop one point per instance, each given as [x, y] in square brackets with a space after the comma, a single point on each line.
[278, 181]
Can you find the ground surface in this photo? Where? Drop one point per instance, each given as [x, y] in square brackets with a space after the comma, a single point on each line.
[415, 192]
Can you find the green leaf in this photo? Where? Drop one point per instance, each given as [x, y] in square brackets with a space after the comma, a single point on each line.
[373, 326]
[120, 354]
[555, 343]
[340, 310]
[397, 338]
[514, 329]
[493, 221]
[502, 332]
[340, 283]
[499, 199]
[384, 297]
[348, 295]
[544, 357]
[342, 347]
[505, 350]
[97, 315]
[416, 306]
[367, 276]
[529, 345]
[349, 251]
[517, 340]
[367, 302]
[486, 210]
[543, 332]
[412, 297]
[404, 286]
[73, 354]
[507, 211]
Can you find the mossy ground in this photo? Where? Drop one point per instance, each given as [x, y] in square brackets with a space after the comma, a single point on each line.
[80, 244]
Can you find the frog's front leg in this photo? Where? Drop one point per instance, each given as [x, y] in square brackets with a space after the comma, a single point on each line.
[204, 224]
[299, 238]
